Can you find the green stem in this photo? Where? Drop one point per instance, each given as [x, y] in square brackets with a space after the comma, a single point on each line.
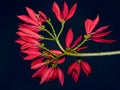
[86, 38]
[49, 22]
[60, 46]
[49, 39]
[93, 54]
[49, 51]
[63, 23]
[49, 33]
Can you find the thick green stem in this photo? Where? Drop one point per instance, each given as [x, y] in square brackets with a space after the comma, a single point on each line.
[60, 46]
[94, 54]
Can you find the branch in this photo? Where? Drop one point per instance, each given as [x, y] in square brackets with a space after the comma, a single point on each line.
[94, 54]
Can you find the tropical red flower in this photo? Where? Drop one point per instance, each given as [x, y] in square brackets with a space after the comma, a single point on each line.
[86, 68]
[69, 39]
[33, 28]
[46, 74]
[64, 14]
[24, 32]
[98, 35]
[74, 70]
[31, 54]
[60, 60]
[33, 18]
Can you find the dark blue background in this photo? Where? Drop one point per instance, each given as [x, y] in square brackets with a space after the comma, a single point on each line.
[15, 74]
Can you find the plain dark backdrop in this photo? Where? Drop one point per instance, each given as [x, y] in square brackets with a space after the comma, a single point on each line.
[15, 74]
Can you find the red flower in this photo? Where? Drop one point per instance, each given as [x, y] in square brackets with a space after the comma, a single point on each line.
[69, 39]
[74, 69]
[86, 68]
[31, 54]
[47, 74]
[60, 60]
[33, 18]
[99, 33]
[24, 32]
[33, 28]
[64, 14]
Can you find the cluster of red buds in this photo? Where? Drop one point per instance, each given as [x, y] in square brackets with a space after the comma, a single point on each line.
[47, 61]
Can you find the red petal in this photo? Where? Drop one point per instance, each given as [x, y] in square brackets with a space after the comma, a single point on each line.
[27, 31]
[36, 66]
[69, 38]
[61, 60]
[45, 75]
[69, 71]
[98, 35]
[32, 52]
[56, 51]
[37, 61]
[55, 75]
[50, 76]
[72, 11]
[27, 19]
[19, 41]
[42, 15]
[88, 24]
[86, 68]
[30, 40]
[56, 10]
[38, 72]
[65, 10]
[30, 27]
[75, 77]
[103, 40]
[31, 57]
[25, 46]
[61, 76]
[82, 48]
[95, 22]
[101, 29]
[77, 41]
[32, 14]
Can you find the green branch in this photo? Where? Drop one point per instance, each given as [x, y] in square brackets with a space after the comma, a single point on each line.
[94, 54]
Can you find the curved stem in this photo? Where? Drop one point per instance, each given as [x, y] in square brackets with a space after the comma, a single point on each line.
[86, 38]
[60, 46]
[49, 22]
[94, 54]
[48, 33]
[48, 51]
[63, 23]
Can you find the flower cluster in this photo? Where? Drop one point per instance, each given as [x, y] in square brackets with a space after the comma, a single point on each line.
[47, 61]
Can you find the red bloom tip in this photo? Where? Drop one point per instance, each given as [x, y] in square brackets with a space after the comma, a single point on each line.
[27, 19]
[65, 13]
[74, 69]
[69, 38]
[60, 76]
[45, 75]
[72, 11]
[31, 13]
[91, 24]
[43, 17]
[56, 10]
[65, 10]
[77, 41]
[86, 68]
